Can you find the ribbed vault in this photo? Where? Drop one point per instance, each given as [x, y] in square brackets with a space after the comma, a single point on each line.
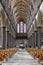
[18, 10]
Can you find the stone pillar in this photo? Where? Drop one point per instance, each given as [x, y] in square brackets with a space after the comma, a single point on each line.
[33, 40]
[9, 44]
[35, 34]
[30, 41]
[14, 40]
[7, 39]
[39, 37]
[39, 20]
[4, 37]
[11, 41]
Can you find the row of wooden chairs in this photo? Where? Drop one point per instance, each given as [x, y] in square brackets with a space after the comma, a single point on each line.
[4, 54]
[38, 53]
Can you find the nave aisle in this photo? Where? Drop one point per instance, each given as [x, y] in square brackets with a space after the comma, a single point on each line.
[21, 57]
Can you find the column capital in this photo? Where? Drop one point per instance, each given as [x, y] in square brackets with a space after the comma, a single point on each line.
[7, 31]
[3, 27]
[39, 26]
[35, 30]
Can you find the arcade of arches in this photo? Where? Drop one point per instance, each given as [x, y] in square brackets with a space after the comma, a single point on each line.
[16, 21]
[21, 21]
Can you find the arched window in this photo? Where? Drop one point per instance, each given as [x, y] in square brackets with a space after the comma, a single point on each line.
[24, 28]
[17, 28]
[21, 27]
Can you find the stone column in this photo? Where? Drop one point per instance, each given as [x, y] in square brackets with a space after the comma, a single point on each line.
[12, 41]
[35, 33]
[39, 20]
[9, 43]
[33, 44]
[33, 40]
[4, 37]
[7, 38]
[39, 37]
[28, 42]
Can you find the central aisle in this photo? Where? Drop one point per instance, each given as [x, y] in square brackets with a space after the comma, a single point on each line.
[21, 57]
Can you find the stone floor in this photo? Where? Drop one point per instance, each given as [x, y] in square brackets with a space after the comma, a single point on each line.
[21, 57]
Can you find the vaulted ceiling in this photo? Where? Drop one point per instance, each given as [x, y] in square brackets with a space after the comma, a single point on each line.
[18, 10]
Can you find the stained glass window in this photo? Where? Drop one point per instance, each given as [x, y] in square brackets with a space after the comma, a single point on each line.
[17, 28]
[24, 28]
[21, 27]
